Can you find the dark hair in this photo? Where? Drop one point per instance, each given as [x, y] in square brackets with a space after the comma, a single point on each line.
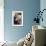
[19, 13]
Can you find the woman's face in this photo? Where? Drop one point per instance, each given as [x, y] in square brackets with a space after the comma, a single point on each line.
[18, 17]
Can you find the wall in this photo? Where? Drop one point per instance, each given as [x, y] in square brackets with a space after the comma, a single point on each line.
[1, 20]
[43, 6]
[29, 7]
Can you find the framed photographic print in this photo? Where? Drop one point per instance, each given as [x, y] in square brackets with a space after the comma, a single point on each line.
[17, 18]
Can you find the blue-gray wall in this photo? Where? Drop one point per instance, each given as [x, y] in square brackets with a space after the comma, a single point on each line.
[43, 6]
[29, 7]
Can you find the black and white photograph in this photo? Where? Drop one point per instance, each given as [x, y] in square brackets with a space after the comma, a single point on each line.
[17, 18]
